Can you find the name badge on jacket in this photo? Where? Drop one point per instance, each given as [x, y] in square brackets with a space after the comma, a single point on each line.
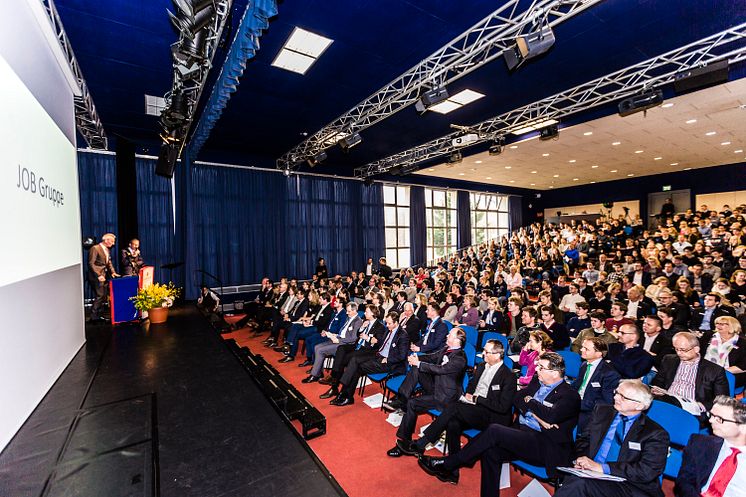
[595, 384]
[635, 446]
[445, 360]
[548, 404]
[495, 387]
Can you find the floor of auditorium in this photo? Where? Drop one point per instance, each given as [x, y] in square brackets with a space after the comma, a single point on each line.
[354, 447]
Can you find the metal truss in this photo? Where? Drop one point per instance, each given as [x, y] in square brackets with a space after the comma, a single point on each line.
[195, 85]
[482, 43]
[655, 72]
[86, 118]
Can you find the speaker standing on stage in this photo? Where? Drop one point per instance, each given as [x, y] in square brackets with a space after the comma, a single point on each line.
[99, 267]
[131, 260]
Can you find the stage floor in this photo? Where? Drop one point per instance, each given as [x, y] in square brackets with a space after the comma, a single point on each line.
[159, 410]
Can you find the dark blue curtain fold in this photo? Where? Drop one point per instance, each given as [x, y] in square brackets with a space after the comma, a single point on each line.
[372, 226]
[463, 222]
[97, 181]
[156, 230]
[417, 225]
[515, 212]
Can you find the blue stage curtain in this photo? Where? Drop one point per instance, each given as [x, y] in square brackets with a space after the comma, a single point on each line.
[417, 226]
[463, 222]
[372, 225]
[515, 208]
[155, 214]
[97, 181]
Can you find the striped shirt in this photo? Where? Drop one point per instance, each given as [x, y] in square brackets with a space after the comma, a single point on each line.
[683, 382]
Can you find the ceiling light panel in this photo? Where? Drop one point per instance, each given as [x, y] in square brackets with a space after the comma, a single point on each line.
[307, 43]
[457, 101]
[293, 61]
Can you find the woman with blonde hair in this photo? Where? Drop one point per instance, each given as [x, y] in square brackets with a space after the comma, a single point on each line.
[684, 287]
[726, 347]
[655, 288]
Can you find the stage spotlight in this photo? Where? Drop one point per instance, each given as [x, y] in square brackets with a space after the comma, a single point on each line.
[640, 103]
[317, 159]
[430, 98]
[88, 242]
[350, 141]
[548, 133]
[455, 158]
[179, 108]
[529, 46]
[192, 16]
[495, 149]
[167, 160]
[286, 172]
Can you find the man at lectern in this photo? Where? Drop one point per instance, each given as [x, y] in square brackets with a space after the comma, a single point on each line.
[131, 259]
[100, 269]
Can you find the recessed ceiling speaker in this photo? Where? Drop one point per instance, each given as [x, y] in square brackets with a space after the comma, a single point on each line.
[701, 77]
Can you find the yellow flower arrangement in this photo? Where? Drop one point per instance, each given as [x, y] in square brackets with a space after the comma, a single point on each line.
[156, 295]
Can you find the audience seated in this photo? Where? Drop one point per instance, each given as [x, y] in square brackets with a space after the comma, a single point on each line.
[541, 435]
[620, 440]
[627, 357]
[342, 331]
[434, 335]
[715, 465]
[688, 380]
[597, 329]
[597, 379]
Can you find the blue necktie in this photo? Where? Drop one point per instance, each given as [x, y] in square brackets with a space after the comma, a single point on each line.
[616, 442]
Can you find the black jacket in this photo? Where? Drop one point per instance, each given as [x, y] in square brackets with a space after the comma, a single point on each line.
[661, 347]
[698, 462]
[709, 383]
[699, 315]
[412, 327]
[447, 374]
[599, 389]
[561, 407]
[500, 394]
[641, 467]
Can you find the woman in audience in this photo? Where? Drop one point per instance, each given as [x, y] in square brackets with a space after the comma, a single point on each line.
[538, 344]
[468, 314]
[387, 302]
[738, 289]
[492, 319]
[655, 288]
[691, 297]
[450, 309]
[421, 307]
[726, 347]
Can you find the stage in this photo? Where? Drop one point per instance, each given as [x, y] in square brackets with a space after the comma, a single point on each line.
[159, 410]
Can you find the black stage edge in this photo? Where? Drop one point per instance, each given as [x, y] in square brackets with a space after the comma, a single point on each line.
[159, 410]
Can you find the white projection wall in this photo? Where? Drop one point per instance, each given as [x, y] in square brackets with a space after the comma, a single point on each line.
[40, 270]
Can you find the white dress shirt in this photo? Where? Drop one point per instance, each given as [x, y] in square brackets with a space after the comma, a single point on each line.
[737, 485]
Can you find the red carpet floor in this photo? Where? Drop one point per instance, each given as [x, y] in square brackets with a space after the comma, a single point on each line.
[354, 447]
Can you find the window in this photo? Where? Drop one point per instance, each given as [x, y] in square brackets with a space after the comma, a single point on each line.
[440, 217]
[489, 217]
[396, 215]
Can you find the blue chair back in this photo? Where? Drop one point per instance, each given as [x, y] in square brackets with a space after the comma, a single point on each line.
[493, 335]
[731, 383]
[572, 363]
[508, 362]
[471, 354]
[471, 334]
[449, 325]
[677, 422]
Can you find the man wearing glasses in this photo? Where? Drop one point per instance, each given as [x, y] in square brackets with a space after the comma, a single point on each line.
[688, 380]
[548, 411]
[621, 441]
[488, 399]
[716, 465]
[627, 357]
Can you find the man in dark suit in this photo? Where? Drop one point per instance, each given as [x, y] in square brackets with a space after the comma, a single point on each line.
[440, 374]
[308, 327]
[410, 323]
[488, 399]
[384, 271]
[638, 276]
[654, 342]
[342, 330]
[131, 259]
[556, 331]
[100, 268]
[704, 319]
[716, 465]
[367, 341]
[548, 411]
[274, 310]
[637, 308]
[391, 357]
[688, 376]
[284, 323]
[434, 336]
[597, 379]
[627, 357]
[622, 441]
